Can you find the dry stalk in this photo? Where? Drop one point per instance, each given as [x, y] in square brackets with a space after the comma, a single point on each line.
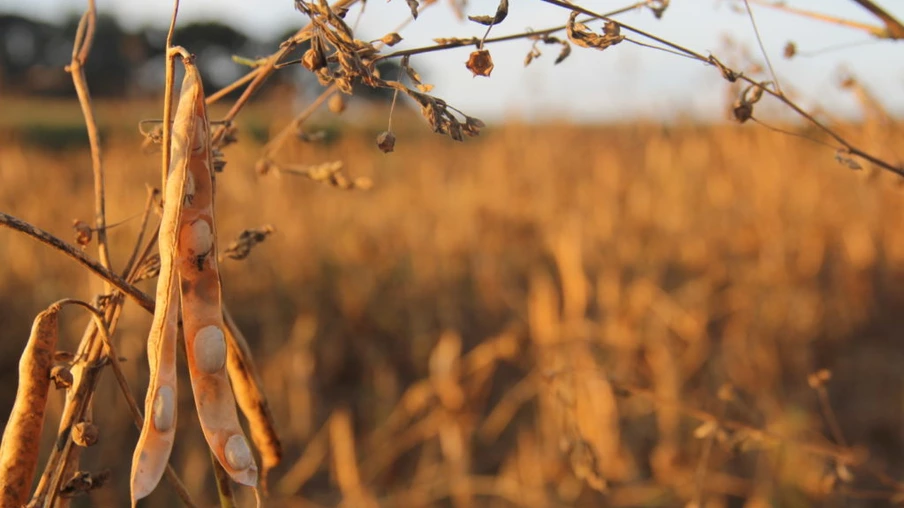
[80, 50]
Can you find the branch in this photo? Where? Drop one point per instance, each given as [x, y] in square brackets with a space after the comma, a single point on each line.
[893, 28]
[115, 280]
[80, 49]
[732, 75]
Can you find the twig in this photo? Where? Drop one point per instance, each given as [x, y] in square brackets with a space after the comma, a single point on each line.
[80, 50]
[136, 250]
[263, 72]
[99, 320]
[893, 28]
[168, 98]
[292, 127]
[759, 40]
[75, 253]
[503, 38]
[876, 31]
[853, 150]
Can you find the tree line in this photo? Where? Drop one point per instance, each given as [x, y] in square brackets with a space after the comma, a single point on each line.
[124, 64]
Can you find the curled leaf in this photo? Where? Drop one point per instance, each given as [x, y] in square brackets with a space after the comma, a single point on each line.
[581, 35]
[413, 5]
[247, 240]
[499, 17]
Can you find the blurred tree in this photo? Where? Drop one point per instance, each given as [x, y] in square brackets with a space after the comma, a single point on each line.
[33, 56]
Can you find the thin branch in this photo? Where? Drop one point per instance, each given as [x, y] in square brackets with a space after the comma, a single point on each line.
[893, 28]
[293, 127]
[759, 40]
[76, 67]
[136, 250]
[264, 71]
[876, 31]
[473, 41]
[75, 253]
[168, 98]
[738, 76]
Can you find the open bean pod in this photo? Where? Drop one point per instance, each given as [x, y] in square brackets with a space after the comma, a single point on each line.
[187, 245]
[202, 313]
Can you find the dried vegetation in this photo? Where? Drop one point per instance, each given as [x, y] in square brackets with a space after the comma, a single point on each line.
[672, 316]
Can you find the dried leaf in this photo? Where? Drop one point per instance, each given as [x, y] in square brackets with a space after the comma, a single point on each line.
[581, 35]
[480, 63]
[533, 53]
[83, 482]
[391, 39]
[499, 17]
[413, 5]
[241, 247]
[564, 53]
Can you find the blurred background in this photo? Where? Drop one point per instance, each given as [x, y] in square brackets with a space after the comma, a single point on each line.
[613, 296]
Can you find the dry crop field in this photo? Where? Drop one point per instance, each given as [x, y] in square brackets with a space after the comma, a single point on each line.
[670, 298]
[370, 315]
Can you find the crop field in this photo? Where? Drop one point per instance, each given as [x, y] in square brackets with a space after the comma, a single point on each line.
[545, 315]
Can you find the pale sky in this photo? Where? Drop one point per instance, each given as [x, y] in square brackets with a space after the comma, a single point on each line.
[623, 81]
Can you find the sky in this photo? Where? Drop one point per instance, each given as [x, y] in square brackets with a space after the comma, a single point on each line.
[624, 81]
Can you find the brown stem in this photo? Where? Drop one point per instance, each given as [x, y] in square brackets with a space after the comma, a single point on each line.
[293, 126]
[502, 38]
[263, 72]
[77, 69]
[894, 29]
[42, 236]
[877, 31]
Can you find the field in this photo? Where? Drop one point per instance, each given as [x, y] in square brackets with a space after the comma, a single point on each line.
[689, 314]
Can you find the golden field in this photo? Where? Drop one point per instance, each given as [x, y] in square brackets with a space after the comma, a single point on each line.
[696, 316]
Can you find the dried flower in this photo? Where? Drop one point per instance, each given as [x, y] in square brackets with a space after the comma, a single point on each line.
[83, 232]
[480, 63]
[386, 141]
